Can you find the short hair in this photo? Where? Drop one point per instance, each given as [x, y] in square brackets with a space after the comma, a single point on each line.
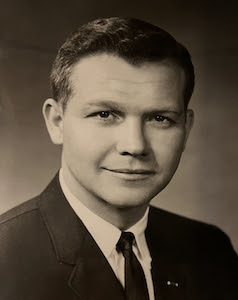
[134, 40]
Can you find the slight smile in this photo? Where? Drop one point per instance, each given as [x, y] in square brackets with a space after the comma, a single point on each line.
[131, 174]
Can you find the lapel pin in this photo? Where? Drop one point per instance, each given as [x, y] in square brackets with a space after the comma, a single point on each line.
[172, 283]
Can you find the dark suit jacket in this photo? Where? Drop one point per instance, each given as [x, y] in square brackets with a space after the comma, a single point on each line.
[46, 253]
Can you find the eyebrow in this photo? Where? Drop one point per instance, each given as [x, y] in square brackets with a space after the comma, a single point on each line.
[112, 105]
[108, 104]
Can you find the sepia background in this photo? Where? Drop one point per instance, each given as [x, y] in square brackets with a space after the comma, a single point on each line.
[205, 186]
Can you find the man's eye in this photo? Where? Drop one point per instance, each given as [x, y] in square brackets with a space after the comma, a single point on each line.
[101, 114]
[160, 118]
[104, 114]
[161, 121]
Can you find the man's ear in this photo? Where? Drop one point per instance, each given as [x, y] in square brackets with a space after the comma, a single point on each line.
[188, 124]
[53, 115]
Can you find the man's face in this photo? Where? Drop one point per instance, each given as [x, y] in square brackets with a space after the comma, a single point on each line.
[124, 130]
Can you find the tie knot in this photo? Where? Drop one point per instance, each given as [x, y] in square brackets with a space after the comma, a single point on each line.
[125, 242]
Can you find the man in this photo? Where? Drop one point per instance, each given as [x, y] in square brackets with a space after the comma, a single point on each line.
[121, 89]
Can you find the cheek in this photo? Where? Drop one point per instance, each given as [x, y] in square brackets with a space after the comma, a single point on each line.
[86, 144]
[168, 146]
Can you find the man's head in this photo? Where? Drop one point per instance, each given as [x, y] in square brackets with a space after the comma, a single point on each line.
[120, 112]
[133, 40]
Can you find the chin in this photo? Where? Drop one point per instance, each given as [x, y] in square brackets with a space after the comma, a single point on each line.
[132, 196]
[129, 201]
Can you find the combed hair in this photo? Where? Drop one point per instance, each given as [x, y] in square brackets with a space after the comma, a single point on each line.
[133, 40]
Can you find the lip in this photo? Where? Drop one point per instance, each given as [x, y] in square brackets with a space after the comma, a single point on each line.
[131, 171]
[131, 174]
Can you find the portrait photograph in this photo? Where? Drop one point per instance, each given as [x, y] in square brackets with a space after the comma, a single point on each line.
[119, 150]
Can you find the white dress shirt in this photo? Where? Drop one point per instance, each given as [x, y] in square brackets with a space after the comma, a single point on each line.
[107, 235]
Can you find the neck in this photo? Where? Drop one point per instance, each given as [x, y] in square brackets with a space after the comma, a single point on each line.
[122, 218]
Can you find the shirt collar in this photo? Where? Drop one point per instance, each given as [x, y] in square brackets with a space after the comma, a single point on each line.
[138, 229]
[104, 233]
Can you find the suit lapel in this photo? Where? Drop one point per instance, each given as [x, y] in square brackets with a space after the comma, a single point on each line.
[168, 274]
[92, 277]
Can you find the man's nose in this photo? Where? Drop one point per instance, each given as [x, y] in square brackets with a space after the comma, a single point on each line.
[131, 139]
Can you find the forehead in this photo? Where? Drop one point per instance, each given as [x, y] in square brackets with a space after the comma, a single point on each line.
[107, 76]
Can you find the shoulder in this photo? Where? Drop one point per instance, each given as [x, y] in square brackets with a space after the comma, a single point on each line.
[23, 231]
[180, 224]
[189, 235]
[30, 209]
[202, 250]
[24, 225]
[21, 224]
[17, 212]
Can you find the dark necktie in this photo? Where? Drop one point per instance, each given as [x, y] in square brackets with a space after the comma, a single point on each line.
[135, 283]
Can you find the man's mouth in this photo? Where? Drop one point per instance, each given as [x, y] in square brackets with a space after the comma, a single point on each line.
[131, 174]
